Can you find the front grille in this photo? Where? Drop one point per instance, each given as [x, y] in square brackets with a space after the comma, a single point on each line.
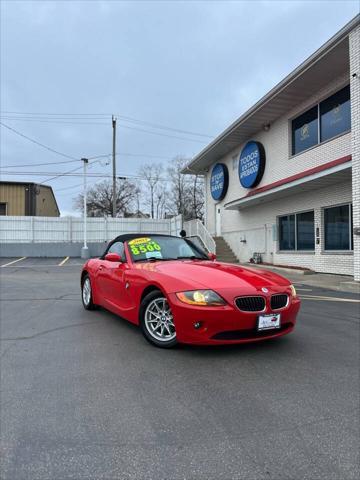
[278, 301]
[250, 304]
[246, 334]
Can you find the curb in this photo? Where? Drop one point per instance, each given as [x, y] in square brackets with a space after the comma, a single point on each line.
[280, 269]
[352, 286]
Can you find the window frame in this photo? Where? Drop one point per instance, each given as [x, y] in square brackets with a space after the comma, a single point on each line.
[6, 209]
[309, 107]
[310, 252]
[351, 235]
[292, 133]
[123, 256]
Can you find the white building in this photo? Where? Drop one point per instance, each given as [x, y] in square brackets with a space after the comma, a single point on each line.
[288, 183]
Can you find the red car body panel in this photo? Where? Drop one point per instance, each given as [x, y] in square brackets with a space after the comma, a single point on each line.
[120, 287]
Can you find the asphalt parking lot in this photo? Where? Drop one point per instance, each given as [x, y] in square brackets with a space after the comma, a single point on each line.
[83, 396]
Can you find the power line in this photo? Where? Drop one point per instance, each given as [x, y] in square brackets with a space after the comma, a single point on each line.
[38, 164]
[105, 125]
[104, 155]
[68, 188]
[66, 122]
[163, 127]
[72, 174]
[66, 173]
[97, 116]
[36, 142]
[55, 114]
[73, 186]
[162, 134]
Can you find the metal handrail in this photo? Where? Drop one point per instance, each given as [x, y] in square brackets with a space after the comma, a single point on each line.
[195, 228]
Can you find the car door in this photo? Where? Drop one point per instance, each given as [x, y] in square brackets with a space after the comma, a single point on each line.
[111, 276]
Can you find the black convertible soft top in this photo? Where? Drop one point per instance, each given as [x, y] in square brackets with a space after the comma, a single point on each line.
[125, 237]
[129, 236]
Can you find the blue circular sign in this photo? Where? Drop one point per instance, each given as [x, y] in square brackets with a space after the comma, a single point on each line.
[251, 164]
[219, 181]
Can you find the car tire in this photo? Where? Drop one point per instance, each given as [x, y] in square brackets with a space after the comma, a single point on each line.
[86, 294]
[156, 320]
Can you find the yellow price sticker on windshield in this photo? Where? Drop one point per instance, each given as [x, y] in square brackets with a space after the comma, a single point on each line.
[143, 246]
[139, 241]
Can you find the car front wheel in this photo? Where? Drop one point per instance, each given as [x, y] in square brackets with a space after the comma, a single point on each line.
[86, 294]
[156, 320]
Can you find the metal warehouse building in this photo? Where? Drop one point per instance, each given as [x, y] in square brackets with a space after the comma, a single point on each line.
[284, 179]
[27, 199]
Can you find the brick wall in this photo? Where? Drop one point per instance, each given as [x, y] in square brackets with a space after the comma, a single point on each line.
[354, 44]
[259, 229]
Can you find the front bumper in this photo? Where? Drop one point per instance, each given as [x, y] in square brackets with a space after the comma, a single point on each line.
[227, 324]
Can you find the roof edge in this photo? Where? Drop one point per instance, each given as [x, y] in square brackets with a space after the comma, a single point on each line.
[305, 65]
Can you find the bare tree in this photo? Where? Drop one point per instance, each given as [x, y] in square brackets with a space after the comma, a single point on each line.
[99, 199]
[151, 174]
[160, 198]
[186, 191]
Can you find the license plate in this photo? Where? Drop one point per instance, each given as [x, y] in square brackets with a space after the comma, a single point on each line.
[269, 322]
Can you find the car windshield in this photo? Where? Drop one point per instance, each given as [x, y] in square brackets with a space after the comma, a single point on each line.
[164, 248]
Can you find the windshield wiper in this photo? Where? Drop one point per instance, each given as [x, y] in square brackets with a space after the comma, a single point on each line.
[153, 259]
[192, 257]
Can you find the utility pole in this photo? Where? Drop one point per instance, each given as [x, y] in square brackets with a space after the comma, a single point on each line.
[85, 250]
[114, 166]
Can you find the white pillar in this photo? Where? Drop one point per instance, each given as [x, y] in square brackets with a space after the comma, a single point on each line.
[354, 49]
[85, 250]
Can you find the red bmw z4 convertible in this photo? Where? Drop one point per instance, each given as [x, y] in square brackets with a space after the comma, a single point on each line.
[177, 293]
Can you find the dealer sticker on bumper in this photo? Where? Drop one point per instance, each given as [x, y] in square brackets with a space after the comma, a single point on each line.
[269, 322]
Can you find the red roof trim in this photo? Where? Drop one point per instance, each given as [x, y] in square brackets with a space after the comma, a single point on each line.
[297, 176]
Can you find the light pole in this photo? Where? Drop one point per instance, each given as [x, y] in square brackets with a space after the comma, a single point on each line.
[85, 250]
[114, 167]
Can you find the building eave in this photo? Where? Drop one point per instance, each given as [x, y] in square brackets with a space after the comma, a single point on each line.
[332, 57]
[316, 177]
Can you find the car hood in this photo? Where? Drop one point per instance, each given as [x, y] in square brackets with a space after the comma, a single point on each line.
[218, 275]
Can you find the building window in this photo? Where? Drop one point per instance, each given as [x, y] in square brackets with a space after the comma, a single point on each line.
[322, 122]
[335, 115]
[287, 232]
[296, 231]
[2, 208]
[305, 131]
[305, 233]
[338, 228]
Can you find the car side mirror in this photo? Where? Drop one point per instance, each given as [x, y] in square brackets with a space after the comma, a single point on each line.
[211, 256]
[113, 257]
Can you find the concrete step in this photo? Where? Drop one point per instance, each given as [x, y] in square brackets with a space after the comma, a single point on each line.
[224, 252]
[226, 258]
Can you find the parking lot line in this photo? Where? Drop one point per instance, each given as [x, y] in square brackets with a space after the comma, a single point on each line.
[14, 261]
[329, 299]
[63, 261]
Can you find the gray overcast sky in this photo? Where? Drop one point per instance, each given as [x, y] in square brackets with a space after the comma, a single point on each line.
[194, 66]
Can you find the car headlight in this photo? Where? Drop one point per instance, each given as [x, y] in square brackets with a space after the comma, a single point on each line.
[207, 298]
[293, 291]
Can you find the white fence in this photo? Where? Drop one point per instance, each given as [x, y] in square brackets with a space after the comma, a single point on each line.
[70, 229]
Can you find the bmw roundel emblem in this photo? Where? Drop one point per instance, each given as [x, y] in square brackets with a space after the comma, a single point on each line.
[264, 289]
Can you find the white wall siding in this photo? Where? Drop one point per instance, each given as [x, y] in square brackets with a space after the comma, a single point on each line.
[259, 229]
[355, 140]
